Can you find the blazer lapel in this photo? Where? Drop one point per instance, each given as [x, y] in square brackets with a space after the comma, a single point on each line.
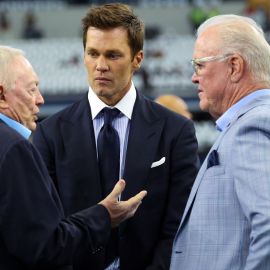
[256, 102]
[198, 182]
[144, 136]
[80, 145]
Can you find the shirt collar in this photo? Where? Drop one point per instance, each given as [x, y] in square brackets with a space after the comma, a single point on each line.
[24, 131]
[125, 105]
[225, 119]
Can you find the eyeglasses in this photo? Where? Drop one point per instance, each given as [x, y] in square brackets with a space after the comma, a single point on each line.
[197, 61]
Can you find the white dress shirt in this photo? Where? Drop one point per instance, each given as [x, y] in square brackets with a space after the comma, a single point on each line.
[121, 123]
[122, 126]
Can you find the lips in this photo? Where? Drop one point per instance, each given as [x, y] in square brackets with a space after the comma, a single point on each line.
[102, 79]
[200, 92]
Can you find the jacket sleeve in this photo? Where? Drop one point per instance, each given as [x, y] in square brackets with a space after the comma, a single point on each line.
[32, 224]
[250, 170]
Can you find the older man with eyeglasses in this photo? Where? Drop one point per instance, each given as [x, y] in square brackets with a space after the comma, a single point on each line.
[226, 222]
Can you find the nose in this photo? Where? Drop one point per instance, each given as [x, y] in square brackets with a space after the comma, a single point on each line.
[102, 64]
[194, 78]
[39, 99]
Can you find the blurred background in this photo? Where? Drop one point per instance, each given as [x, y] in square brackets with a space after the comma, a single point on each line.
[49, 31]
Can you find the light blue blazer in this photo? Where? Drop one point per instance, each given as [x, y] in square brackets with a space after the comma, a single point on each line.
[226, 222]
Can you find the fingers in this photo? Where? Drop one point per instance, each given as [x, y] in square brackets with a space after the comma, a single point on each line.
[136, 200]
[118, 189]
[141, 195]
[121, 210]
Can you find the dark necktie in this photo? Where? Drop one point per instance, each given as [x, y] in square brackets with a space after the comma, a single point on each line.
[108, 151]
[109, 159]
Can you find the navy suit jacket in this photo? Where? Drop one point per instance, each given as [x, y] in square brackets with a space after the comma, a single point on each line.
[67, 144]
[33, 231]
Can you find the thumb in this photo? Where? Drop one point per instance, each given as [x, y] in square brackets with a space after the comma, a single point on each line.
[118, 189]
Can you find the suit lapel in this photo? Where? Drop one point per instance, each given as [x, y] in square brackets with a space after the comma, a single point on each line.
[80, 145]
[198, 181]
[144, 136]
[256, 102]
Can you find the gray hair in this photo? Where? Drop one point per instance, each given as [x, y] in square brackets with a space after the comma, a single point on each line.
[7, 56]
[243, 35]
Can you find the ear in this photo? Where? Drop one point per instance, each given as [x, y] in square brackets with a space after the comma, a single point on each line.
[137, 61]
[3, 102]
[237, 65]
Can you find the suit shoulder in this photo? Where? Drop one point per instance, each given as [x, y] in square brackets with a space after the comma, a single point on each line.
[68, 112]
[9, 138]
[254, 115]
[164, 112]
[8, 134]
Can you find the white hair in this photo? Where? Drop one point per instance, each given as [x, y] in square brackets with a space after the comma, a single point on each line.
[243, 35]
[7, 56]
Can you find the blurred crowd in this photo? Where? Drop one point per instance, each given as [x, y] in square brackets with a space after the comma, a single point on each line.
[30, 28]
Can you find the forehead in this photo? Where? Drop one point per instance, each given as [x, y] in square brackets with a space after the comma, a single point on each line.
[107, 38]
[208, 43]
[24, 71]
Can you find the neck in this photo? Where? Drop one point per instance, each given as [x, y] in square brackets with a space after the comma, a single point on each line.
[245, 90]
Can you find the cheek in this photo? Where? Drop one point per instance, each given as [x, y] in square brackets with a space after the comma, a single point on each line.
[89, 66]
[122, 79]
[124, 72]
[27, 104]
[210, 86]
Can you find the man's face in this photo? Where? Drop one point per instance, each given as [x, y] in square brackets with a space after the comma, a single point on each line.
[109, 64]
[23, 100]
[212, 77]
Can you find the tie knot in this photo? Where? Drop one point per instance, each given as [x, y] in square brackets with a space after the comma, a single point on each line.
[110, 114]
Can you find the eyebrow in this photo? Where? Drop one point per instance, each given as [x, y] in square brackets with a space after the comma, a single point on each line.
[107, 51]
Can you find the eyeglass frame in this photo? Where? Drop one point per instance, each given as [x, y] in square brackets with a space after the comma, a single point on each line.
[196, 61]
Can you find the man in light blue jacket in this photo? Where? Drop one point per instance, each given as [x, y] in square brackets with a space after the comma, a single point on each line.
[226, 222]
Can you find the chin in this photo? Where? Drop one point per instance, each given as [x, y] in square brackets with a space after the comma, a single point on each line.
[101, 92]
[203, 107]
[32, 127]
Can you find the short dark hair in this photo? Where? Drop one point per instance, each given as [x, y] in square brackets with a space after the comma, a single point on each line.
[114, 15]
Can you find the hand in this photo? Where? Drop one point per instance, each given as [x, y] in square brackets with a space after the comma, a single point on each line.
[121, 210]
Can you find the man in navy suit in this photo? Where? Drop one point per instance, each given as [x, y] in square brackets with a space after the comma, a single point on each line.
[34, 234]
[158, 148]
